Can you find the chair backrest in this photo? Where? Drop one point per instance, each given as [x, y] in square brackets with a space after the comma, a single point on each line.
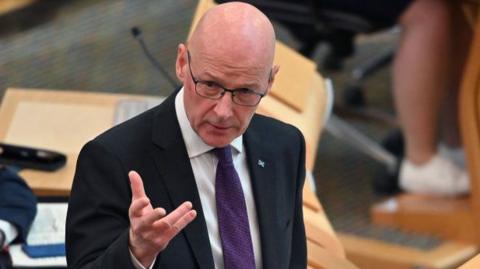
[470, 120]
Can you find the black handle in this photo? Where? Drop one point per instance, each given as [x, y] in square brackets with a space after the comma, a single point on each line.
[31, 158]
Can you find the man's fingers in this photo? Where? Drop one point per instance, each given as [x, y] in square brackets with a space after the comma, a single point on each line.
[179, 212]
[136, 184]
[172, 229]
[153, 216]
[137, 206]
[184, 221]
[184, 212]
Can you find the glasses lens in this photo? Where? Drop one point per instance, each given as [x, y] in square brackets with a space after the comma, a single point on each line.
[209, 89]
[246, 98]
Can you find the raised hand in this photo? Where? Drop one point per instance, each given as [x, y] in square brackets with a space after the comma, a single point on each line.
[151, 229]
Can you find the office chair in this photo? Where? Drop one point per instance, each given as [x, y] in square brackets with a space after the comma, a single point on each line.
[311, 23]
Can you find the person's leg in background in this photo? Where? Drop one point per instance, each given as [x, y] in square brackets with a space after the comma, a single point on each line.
[451, 143]
[422, 75]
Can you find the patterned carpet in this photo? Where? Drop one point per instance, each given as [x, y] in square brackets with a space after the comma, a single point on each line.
[86, 45]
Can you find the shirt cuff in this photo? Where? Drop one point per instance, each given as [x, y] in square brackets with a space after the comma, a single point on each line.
[9, 230]
[137, 264]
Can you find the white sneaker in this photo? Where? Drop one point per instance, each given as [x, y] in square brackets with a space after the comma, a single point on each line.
[439, 176]
[457, 155]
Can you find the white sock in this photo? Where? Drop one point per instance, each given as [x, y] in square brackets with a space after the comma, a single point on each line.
[455, 154]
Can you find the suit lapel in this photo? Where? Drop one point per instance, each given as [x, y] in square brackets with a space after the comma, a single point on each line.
[262, 172]
[174, 166]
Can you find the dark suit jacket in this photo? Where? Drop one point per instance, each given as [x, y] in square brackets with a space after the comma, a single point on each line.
[18, 205]
[152, 144]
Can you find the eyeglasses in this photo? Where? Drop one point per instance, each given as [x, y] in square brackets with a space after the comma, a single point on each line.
[214, 91]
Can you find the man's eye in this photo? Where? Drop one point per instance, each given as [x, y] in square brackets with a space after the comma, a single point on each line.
[210, 84]
[244, 91]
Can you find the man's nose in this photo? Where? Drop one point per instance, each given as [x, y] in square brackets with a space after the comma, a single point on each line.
[224, 106]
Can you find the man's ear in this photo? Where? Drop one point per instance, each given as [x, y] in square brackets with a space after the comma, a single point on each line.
[274, 72]
[181, 62]
[271, 79]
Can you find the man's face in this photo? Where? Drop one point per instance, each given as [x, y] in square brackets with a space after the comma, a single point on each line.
[220, 121]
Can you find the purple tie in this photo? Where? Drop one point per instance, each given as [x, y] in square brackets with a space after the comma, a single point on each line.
[232, 214]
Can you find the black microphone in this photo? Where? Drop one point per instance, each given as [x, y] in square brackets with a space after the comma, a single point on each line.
[137, 34]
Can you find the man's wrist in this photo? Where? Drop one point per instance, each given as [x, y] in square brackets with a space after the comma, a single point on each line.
[137, 264]
[145, 260]
[140, 256]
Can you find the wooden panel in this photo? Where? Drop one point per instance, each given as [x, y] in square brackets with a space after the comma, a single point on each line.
[320, 231]
[473, 263]
[310, 199]
[375, 254]
[310, 121]
[448, 218]
[318, 257]
[293, 81]
[470, 122]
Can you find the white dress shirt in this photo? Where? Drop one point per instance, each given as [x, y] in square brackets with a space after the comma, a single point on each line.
[204, 165]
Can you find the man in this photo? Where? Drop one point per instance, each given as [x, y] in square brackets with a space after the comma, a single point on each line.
[18, 206]
[157, 191]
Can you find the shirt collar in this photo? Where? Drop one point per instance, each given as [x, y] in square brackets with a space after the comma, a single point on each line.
[195, 145]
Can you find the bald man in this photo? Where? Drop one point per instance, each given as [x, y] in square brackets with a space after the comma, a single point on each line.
[200, 181]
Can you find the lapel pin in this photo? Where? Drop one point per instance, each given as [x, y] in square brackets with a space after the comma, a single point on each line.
[261, 163]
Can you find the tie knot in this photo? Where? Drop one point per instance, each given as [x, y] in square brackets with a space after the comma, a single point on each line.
[224, 154]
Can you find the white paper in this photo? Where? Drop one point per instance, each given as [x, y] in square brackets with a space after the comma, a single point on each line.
[48, 227]
[19, 258]
[49, 224]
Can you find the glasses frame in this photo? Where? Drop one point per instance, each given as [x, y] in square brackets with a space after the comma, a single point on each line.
[232, 91]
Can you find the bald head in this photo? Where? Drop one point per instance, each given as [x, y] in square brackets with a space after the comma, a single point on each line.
[236, 30]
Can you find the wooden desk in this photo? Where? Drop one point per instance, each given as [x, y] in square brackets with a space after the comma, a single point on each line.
[58, 120]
